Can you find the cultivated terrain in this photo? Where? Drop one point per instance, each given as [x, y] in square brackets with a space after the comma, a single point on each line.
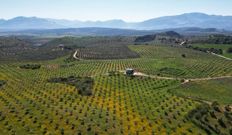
[77, 85]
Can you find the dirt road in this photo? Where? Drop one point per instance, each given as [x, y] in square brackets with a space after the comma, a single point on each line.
[221, 56]
[177, 78]
[75, 55]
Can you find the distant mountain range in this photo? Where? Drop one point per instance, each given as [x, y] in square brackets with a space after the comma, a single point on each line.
[199, 20]
[96, 31]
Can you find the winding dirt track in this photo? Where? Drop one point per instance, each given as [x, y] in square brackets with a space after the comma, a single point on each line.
[185, 80]
[75, 55]
[221, 56]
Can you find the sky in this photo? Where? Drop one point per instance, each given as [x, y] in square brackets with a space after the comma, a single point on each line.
[127, 10]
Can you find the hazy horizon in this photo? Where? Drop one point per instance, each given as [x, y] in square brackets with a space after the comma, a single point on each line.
[101, 10]
[106, 20]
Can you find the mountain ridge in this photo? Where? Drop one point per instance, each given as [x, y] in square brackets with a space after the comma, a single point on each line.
[200, 20]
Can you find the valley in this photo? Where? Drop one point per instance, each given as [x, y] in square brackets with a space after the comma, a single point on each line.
[80, 88]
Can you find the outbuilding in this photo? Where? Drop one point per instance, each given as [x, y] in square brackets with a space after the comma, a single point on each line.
[130, 71]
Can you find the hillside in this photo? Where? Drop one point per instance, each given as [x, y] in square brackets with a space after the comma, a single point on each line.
[34, 49]
[115, 67]
[168, 37]
[95, 97]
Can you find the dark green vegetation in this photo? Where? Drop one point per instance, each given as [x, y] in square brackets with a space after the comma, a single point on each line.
[206, 50]
[169, 37]
[225, 49]
[214, 119]
[30, 66]
[2, 83]
[211, 90]
[118, 104]
[84, 85]
[217, 39]
[210, 39]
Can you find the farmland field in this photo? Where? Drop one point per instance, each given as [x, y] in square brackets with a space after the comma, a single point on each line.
[212, 90]
[119, 104]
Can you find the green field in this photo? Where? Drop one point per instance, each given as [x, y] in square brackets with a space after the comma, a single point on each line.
[224, 48]
[118, 105]
[211, 90]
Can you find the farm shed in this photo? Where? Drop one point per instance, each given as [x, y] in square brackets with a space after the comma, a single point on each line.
[130, 71]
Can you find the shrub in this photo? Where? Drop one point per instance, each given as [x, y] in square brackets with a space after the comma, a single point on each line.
[62, 131]
[2, 83]
[183, 55]
[222, 123]
[30, 66]
[84, 85]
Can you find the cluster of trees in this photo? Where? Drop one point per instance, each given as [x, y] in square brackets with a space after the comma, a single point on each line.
[84, 85]
[169, 37]
[212, 39]
[30, 66]
[213, 118]
[146, 38]
[219, 39]
[211, 50]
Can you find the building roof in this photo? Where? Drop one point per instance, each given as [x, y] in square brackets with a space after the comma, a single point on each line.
[129, 69]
